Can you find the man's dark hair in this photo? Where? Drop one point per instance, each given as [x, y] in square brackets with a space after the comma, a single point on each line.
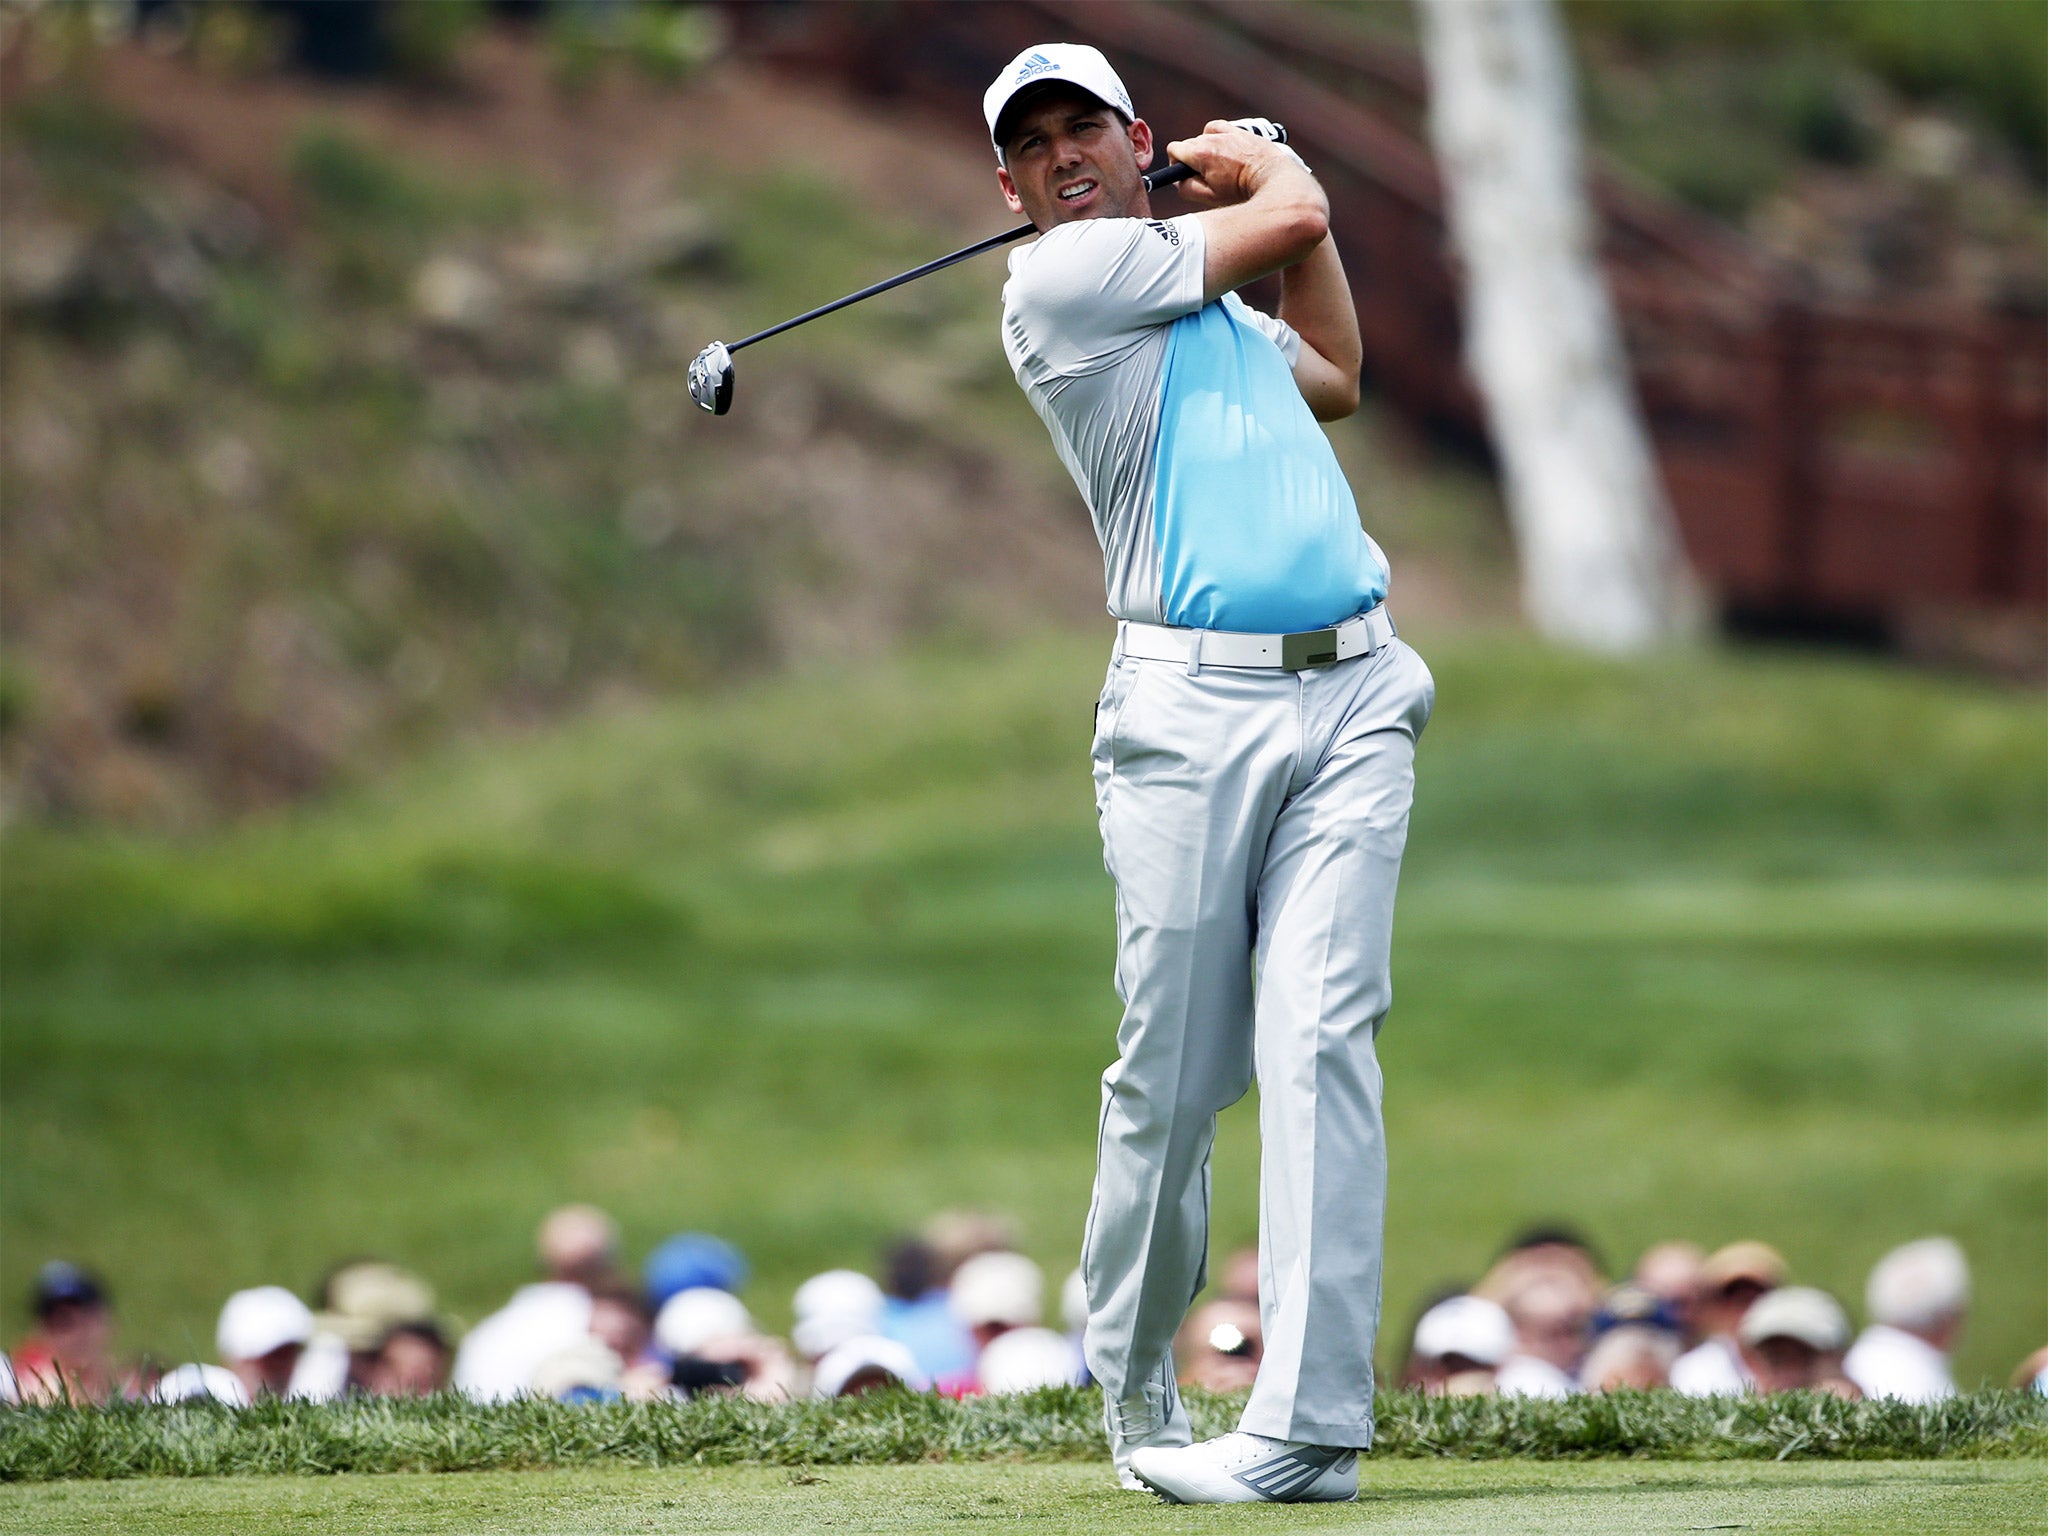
[60, 1285]
[909, 1268]
[1554, 1234]
[622, 1291]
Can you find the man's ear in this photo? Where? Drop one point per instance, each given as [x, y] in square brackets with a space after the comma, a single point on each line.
[1009, 190]
[1141, 141]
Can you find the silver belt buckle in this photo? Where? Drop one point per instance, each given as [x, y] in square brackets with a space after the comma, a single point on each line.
[1312, 648]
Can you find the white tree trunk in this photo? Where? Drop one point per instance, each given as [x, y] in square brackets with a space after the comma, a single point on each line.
[1601, 563]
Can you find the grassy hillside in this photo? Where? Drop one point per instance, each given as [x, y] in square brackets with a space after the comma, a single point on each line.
[331, 427]
[1712, 947]
[314, 466]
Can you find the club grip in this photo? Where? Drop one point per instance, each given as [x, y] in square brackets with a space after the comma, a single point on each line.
[1180, 170]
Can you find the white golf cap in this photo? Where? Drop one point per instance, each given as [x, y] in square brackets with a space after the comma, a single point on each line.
[188, 1383]
[691, 1319]
[1468, 1326]
[589, 1364]
[831, 1308]
[255, 1322]
[1025, 1359]
[1919, 1285]
[1004, 1288]
[869, 1352]
[1069, 63]
[1799, 1312]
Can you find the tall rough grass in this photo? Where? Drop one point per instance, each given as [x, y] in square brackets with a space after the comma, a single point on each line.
[448, 1434]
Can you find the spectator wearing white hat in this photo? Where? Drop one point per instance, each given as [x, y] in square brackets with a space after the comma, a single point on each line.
[362, 1303]
[714, 1344]
[588, 1371]
[691, 1321]
[1422, 1372]
[1916, 1297]
[862, 1364]
[1460, 1343]
[577, 1245]
[991, 1294]
[1026, 1359]
[193, 1383]
[833, 1307]
[1731, 1280]
[261, 1335]
[1792, 1340]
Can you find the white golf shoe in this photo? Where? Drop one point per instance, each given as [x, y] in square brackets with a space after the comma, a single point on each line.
[1153, 1417]
[1243, 1468]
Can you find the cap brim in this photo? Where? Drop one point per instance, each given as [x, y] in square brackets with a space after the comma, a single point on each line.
[1006, 118]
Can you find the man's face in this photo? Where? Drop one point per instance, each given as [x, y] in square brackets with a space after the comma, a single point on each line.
[409, 1366]
[276, 1368]
[1721, 1310]
[1070, 157]
[619, 1325]
[1784, 1365]
[78, 1328]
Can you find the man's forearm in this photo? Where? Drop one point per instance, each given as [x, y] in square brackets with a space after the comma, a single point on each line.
[1316, 300]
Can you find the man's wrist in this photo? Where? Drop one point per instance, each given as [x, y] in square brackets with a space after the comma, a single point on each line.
[1286, 176]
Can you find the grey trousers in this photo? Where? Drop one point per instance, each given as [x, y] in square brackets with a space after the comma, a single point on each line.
[1253, 822]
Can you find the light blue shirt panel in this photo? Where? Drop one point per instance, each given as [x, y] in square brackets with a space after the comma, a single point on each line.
[1086, 317]
[1256, 526]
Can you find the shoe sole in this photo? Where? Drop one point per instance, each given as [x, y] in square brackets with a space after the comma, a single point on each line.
[1168, 1496]
[1165, 1495]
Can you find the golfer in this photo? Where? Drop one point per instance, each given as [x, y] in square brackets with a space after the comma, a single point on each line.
[1253, 755]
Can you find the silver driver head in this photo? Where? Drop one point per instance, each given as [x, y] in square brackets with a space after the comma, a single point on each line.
[711, 379]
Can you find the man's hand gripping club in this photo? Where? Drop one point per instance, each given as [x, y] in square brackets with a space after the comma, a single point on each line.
[1262, 212]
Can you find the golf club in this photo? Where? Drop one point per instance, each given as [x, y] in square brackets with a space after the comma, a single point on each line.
[711, 371]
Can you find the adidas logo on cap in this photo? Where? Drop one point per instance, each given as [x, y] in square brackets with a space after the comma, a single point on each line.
[1076, 62]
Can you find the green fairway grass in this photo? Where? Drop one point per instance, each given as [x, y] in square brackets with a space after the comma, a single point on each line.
[1410, 1498]
[1720, 946]
[451, 1434]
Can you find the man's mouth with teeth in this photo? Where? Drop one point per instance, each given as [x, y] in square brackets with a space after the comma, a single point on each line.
[1076, 192]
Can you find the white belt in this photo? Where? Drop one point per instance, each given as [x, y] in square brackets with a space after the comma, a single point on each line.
[1197, 648]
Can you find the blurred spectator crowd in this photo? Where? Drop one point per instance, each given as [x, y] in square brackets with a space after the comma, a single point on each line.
[1546, 1321]
[959, 1311]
